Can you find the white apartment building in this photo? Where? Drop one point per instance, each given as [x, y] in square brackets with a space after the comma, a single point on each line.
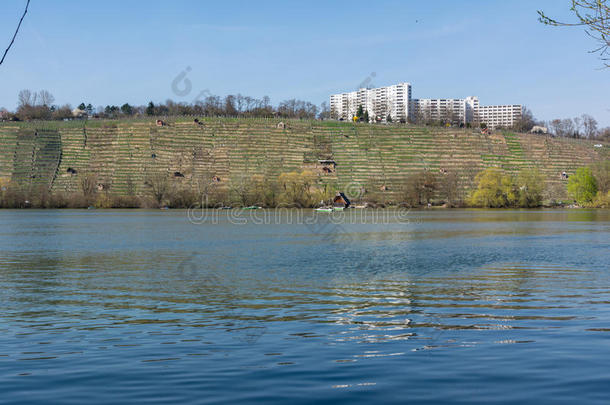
[496, 116]
[396, 102]
[453, 110]
[380, 102]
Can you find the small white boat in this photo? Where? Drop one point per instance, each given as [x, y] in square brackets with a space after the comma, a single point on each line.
[324, 209]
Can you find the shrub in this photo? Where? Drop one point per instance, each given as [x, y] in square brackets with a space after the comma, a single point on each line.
[449, 189]
[159, 186]
[246, 190]
[299, 189]
[88, 184]
[183, 198]
[582, 186]
[601, 172]
[555, 194]
[128, 201]
[103, 200]
[530, 186]
[601, 200]
[494, 190]
[420, 188]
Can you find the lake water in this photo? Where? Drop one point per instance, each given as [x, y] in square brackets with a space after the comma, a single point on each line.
[458, 306]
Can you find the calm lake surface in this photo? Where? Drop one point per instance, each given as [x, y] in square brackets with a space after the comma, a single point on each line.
[458, 306]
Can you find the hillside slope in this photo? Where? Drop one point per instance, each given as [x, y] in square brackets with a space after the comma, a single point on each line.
[375, 158]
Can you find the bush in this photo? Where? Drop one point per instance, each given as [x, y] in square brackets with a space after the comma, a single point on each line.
[494, 190]
[601, 172]
[158, 184]
[449, 189]
[88, 184]
[129, 201]
[247, 190]
[601, 200]
[582, 186]
[420, 188]
[183, 198]
[299, 189]
[530, 186]
[103, 200]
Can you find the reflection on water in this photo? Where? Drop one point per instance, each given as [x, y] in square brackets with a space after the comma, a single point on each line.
[447, 304]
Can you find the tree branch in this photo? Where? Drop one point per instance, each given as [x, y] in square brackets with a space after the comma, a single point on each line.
[594, 16]
[16, 31]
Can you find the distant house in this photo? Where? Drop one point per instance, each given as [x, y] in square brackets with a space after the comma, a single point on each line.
[78, 113]
[539, 130]
[341, 200]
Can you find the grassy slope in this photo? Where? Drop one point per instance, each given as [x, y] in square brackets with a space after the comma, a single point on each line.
[124, 153]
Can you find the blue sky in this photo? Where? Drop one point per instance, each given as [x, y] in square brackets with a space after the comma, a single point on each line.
[111, 52]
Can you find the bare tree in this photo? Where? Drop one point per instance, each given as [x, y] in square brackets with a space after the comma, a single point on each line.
[88, 184]
[16, 31]
[568, 127]
[325, 112]
[526, 122]
[25, 98]
[419, 188]
[563, 128]
[46, 98]
[449, 188]
[589, 125]
[594, 15]
[577, 126]
[389, 108]
[159, 186]
[556, 127]
[450, 116]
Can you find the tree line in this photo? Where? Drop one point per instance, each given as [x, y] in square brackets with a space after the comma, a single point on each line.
[40, 105]
[584, 126]
[489, 188]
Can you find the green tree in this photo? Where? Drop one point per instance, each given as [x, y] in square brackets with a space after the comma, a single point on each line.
[111, 110]
[494, 190]
[150, 109]
[82, 107]
[366, 117]
[127, 109]
[389, 118]
[582, 186]
[530, 187]
[360, 112]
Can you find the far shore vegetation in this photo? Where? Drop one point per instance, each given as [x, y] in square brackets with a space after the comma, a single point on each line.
[589, 187]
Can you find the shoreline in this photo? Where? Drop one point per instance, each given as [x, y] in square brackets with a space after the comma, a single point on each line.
[247, 209]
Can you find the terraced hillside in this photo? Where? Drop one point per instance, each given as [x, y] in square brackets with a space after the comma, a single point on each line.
[123, 155]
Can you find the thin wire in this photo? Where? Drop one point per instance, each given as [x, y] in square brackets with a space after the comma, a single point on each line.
[16, 31]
